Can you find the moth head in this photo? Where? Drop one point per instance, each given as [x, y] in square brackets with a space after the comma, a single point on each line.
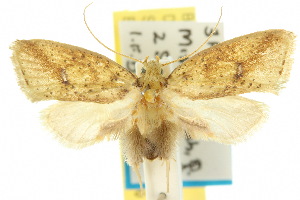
[151, 75]
[151, 67]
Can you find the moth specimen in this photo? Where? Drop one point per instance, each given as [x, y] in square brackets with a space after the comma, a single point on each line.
[99, 99]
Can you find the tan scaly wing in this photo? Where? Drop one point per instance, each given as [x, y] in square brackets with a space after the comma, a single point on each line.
[258, 62]
[50, 70]
[202, 90]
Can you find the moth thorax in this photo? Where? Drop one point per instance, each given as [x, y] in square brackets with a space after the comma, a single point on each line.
[150, 95]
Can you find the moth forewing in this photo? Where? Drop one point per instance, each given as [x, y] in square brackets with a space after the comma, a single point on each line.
[257, 62]
[49, 70]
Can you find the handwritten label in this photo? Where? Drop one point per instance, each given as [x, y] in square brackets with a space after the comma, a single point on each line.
[163, 39]
[162, 14]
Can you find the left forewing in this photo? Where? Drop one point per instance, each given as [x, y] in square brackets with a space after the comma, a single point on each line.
[227, 119]
[257, 62]
[50, 70]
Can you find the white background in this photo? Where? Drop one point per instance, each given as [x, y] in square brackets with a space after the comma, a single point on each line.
[35, 166]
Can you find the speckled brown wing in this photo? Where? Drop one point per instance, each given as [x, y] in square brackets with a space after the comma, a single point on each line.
[257, 62]
[50, 70]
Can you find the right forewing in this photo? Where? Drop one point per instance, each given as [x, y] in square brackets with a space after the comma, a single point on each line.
[257, 62]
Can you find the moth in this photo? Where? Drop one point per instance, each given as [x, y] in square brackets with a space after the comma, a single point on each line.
[150, 114]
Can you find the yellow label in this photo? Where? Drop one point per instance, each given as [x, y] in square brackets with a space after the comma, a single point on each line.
[171, 14]
[192, 193]
[167, 14]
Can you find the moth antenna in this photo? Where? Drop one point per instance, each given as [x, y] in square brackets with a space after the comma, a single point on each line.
[87, 26]
[212, 33]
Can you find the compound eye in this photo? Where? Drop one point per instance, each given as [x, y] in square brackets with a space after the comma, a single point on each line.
[143, 70]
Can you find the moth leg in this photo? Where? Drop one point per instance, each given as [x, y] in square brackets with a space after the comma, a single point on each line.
[136, 170]
[168, 175]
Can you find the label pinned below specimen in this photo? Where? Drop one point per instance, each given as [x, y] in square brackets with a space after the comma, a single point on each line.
[199, 99]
